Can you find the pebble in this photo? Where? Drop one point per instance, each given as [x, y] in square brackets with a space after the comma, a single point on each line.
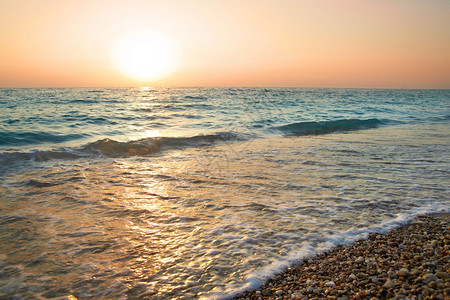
[443, 275]
[389, 284]
[410, 262]
[429, 277]
[359, 260]
[392, 274]
[309, 282]
[403, 272]
[330, 284]
[266, 292]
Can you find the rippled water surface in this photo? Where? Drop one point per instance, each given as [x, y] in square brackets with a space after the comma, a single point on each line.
[181, 193]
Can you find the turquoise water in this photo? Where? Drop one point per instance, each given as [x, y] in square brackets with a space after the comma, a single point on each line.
[204, 192]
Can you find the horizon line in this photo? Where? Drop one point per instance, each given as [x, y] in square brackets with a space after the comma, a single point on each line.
[224, 87]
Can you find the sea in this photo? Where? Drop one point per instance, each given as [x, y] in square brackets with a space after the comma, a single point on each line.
[203, 193]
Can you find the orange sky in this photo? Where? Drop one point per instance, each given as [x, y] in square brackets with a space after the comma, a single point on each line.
[316, 43]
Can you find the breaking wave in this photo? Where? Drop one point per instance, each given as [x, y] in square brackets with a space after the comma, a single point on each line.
[318, 128]
[111, 148]
[146, 146]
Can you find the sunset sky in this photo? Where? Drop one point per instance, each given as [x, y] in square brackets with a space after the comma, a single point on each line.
[316, 43]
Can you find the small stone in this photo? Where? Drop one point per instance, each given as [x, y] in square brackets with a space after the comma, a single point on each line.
[389, 284]
[330, 284]
[418, 280]
[399, 296]
[359, 260]
[392, 274]
[352, 276]
[279, 292]
[442, 275]
[266, 292]
[429, 266]
[415, 272]
[403, 272]
[389, 295]
[297, 295]
[325, 278]
[429, 277]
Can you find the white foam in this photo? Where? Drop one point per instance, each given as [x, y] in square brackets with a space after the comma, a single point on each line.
[307, 249]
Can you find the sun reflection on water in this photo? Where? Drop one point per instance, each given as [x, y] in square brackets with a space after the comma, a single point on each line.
[198, 221]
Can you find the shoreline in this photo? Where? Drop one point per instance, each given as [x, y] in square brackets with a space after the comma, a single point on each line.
[409, 262]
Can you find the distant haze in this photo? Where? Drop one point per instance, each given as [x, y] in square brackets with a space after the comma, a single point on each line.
[341, 43]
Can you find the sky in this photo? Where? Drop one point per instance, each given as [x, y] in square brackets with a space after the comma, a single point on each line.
[268, 43]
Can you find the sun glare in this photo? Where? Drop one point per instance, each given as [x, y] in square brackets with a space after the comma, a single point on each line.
[145, 56]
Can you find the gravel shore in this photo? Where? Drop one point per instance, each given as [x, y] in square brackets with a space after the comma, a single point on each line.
[411, 262]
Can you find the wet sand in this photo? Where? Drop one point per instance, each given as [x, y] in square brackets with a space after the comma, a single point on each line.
[410, 262]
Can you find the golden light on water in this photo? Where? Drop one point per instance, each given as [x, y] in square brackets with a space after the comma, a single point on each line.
[145, 56]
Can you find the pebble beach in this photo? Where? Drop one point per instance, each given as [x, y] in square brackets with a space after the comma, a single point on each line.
[410, 262]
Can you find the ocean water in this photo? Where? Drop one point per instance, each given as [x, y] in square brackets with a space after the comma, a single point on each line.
[204, 192]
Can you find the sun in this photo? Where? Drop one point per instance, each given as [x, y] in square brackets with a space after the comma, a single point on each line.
[145, 56]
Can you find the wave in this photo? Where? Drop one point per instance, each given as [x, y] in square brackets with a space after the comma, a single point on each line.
[111, 148]
[325, 127]
[11, 158]
[444, 118]
[147, 146]
[196, 97]
[85, 101]
[27, 138]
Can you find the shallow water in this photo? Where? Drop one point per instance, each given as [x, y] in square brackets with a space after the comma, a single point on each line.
[212, 206]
